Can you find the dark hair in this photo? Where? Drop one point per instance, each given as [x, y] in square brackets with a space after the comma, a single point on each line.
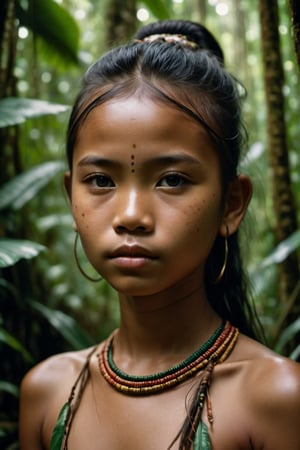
[195, 81]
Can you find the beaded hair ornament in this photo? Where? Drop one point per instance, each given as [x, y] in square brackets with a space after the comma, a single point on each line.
[170, 39]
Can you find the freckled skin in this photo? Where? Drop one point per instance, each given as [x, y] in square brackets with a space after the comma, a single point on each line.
[138, 202]
[173, 206]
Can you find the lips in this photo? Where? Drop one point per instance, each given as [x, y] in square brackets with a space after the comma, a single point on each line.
[132, 251]
[132, 257]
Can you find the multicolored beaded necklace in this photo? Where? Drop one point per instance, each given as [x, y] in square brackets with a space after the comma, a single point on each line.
[215, 350]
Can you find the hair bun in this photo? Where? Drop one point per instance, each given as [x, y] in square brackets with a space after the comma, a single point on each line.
[192, 31]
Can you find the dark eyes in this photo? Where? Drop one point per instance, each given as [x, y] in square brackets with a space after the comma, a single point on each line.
[100, 181]
[172, 180]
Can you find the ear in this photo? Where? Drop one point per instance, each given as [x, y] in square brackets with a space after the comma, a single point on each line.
[236, 203]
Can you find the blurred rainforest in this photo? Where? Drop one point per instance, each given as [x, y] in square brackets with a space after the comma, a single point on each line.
[46, 306]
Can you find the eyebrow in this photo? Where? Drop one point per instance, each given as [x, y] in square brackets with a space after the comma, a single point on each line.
[163, 160]
[93, 160]
[173, 159]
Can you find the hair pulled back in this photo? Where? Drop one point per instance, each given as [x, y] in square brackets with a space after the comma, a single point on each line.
[194, 80]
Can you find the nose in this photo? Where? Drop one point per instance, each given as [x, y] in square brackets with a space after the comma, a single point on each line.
[133, 213]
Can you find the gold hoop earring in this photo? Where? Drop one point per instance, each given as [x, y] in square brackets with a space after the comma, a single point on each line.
[88, 277]
[223, 268]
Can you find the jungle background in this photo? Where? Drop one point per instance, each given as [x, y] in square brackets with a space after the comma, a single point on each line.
[46, 306]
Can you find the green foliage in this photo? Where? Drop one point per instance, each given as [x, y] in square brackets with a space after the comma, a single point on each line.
[265, 275]
[19, 336]
[287, 336]
[158, 9]
[14, 111]
[66, 325]
[12, 342]
[5, 386]
[53, 24]
[24, 187]
[283, 250]
[12, 250]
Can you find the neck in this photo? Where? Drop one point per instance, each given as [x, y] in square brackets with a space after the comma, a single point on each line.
[167, 326]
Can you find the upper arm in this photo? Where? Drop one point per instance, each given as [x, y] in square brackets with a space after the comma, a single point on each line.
[31, 413]
[44, 390]
[277, 408]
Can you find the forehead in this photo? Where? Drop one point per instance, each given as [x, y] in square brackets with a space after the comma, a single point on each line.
[146, 129]
[140, 117]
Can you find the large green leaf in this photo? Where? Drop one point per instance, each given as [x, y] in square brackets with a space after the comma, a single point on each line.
[54, 24]
[295, 353]
[12, 250]
[66, 325]
[22, 188]
[10, 340]
[14, 111]
[262, 278]
[287, 335]
[283, 250]
[12, 389]
[158, 8]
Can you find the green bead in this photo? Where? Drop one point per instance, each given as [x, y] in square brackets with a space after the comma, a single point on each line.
[145, 378]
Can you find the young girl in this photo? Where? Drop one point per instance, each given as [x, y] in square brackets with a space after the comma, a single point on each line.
[153, 146]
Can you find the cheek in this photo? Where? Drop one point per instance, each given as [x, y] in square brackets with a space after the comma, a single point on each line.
[203, 216]
[81, 217]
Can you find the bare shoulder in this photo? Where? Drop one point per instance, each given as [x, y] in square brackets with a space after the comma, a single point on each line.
[273, 371]
[272, 392]
[44, 389]
[54, 371]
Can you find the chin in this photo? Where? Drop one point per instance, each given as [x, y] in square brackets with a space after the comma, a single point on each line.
[135, 289]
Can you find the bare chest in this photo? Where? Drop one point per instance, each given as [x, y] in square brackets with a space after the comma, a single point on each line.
[107, 420]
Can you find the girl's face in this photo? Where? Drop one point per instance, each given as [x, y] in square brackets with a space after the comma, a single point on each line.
[145, 193]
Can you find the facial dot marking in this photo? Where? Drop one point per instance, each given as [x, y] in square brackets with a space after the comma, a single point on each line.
[132, 161]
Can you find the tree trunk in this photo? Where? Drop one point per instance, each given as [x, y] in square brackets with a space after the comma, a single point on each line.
[283, 200]
[9, 153]
[121, 21]
[295, 14]
[8, 37]
[239, 37]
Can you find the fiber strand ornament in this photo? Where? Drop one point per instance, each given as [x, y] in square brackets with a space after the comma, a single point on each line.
[65, 418]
